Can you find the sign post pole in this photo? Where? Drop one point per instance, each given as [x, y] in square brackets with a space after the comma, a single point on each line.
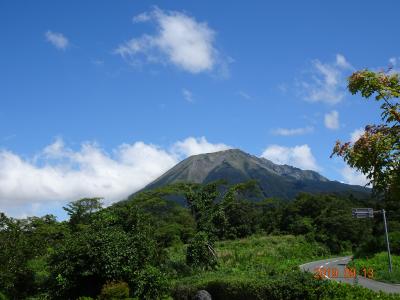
[387, 241]
[361, 213]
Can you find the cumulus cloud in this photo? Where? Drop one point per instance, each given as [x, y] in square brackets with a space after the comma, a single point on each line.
[326, 82]
[331, 120]
[352, 176]
[59, 174]
[298, 156]
[57, 39]
[293, 131]
[179, 40]
[193, 146]
[187, 95]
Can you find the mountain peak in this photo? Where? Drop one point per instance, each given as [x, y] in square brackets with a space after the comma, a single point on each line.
[235, 166]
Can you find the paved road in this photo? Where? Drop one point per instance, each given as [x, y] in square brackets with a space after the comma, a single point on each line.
[339, 264]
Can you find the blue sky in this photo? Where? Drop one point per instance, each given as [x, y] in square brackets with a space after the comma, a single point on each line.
[98, 98]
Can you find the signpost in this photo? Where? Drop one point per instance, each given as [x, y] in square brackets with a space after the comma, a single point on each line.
[360, 213]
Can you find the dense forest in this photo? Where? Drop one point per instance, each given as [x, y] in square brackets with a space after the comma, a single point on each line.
[129, 249]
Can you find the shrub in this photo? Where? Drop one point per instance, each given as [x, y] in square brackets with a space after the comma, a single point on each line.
[3, 297]
[200, 253]
[293, 285]
[114, 290]
[151, 284]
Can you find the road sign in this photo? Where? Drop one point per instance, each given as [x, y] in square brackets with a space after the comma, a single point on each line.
[369, 213]
[363, 213]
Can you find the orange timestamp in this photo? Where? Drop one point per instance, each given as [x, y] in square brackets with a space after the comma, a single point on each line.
[321, 273]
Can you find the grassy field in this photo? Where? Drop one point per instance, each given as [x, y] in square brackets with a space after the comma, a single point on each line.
[379, 264]
[255, 257]
[262, 267]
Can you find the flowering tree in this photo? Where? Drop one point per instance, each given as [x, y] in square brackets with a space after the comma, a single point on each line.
[377, 152]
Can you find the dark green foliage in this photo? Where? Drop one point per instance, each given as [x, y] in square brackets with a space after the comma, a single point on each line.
[151, 284]
[173, 222]
[293, 285]
[200, 252]
[394, 238]
[3, 297]
[20, 242]
[114, 290]
[327, 219]
[80, 211]
[91, 257]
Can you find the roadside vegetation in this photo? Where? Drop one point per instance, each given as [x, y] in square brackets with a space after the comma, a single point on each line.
[378, 263]
[263, 267]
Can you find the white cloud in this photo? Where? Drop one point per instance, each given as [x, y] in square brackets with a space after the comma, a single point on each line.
[187, 95]
[342, 62]
[245, 95]
[179, 40]
[140, 18]
[59, 174]
[352, 176]
[298, 156]
[327, 81]
[331, 120]
[356, 134]
[293, 131]
[57, 39]
[193, 146]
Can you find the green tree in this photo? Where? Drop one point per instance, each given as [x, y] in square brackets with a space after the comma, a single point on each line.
[24, 245]
[81, 210]
[200, 252]
[101, 252]
[377, 152]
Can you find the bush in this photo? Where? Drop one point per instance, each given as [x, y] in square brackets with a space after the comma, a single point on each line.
[114, 290]
[200, 253]
[394, 238]
[3, 297]
[151, 284]
[293, 285]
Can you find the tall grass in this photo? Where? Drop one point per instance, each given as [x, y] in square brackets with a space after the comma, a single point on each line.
[379, 264]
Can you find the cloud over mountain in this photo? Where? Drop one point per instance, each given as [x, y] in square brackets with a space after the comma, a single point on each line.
[59, 173]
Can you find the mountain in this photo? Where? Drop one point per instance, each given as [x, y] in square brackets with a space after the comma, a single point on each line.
[236, 166]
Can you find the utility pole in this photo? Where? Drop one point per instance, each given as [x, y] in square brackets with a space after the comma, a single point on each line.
[361, 213]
